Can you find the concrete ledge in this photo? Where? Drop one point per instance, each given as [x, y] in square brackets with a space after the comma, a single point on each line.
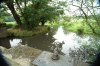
[44, 59]
[21, 55]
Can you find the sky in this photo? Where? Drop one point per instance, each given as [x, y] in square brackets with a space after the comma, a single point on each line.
[74, 10]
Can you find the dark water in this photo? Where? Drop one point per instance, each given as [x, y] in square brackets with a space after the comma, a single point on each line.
[44, 41]
[5, 42]
[41, 41]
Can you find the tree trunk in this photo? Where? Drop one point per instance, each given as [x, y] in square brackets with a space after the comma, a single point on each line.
[93, 30]
[23, 13]
[15, 15]
[86, 18]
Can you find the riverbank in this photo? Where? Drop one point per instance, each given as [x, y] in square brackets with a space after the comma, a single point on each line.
[17, 32]
[78, 25]
[21, 55]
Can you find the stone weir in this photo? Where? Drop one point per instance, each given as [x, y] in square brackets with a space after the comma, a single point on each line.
[22, 55]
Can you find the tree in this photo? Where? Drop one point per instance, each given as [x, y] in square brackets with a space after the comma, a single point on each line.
[30, 13]
[3, 13]
[10, 5]
[86, 8]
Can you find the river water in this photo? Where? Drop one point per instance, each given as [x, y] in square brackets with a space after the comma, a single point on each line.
[45, 41]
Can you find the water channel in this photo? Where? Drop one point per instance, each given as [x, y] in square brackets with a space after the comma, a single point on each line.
[45, 41]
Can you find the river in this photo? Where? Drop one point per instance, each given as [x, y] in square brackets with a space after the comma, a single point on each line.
[45, 41]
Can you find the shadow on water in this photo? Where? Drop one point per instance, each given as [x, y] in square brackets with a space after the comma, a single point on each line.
[41, 41]
[5, 42]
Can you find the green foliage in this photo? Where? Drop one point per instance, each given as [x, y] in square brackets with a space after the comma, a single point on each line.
[67, 18]
[80, 31]
[1, 20]
[4, 16]
[9, 18]
[3, 13]
[79, 25]
[36, 12]
[11, 24]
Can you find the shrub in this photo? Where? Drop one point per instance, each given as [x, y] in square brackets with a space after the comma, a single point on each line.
[80, 31]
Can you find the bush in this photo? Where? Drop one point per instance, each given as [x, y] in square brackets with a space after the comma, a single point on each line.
[1, 20]
[80, 31]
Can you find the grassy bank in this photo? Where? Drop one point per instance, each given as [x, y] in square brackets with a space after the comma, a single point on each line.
[79, 26]
[17, 32]
[11, 24]
[21, 55]
[26, 33]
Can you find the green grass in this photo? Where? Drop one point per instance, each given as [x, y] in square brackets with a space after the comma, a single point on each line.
[13, 23]
[17, 32]
[76, 25]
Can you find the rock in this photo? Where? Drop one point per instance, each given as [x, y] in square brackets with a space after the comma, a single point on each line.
[11, 62]
[23, 51]
[21, 55]
[2, 49]
[55, 57]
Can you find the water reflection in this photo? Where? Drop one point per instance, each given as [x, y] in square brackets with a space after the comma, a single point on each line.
[59, 35]
[5, 42]
[68, 39]
[72, 40]
[15, 42]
